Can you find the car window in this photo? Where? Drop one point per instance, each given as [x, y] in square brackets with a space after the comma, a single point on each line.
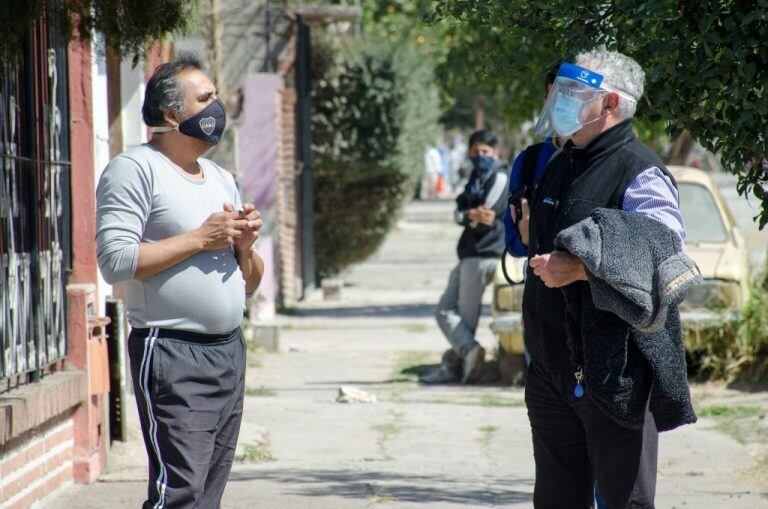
[703, 222]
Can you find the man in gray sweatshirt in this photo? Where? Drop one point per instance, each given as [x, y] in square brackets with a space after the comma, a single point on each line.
[171, 227]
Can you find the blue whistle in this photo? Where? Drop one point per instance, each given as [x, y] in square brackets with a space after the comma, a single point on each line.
[578, 391]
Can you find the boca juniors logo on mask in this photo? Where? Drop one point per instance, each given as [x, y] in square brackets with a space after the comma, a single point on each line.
[208, 124]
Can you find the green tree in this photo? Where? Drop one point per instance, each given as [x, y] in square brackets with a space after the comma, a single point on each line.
[374, 111]
[706, 62]
[469, 60]
[399, 29]
[128, 25]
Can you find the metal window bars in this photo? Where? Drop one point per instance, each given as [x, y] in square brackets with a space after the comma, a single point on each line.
[34, 207]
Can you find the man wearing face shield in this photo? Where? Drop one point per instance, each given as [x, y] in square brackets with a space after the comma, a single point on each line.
[601, 165]
[171, 228]
[479, 210]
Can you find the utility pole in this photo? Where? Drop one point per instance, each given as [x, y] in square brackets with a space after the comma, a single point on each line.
[267, 36]
[114, 103]
[215, 43]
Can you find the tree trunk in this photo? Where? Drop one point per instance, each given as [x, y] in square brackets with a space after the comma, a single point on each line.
[680, 149]
[479, 112]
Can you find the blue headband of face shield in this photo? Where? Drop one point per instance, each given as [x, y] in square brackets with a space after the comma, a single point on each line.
[573, 87]
[580, 75]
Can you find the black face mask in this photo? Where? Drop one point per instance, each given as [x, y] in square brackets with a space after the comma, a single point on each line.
[482, 163]
[208, 125]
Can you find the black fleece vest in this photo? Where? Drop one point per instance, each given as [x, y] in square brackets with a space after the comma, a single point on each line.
[576, 182]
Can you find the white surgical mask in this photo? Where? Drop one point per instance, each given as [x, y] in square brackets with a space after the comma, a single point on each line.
[566, 115]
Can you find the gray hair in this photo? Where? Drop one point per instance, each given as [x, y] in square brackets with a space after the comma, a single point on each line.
[620, 72]
[164, 90]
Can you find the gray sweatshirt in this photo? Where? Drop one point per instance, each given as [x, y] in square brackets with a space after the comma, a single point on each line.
[143, 197]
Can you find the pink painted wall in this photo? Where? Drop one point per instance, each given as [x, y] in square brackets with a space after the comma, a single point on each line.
[258, 136]
[258, 139]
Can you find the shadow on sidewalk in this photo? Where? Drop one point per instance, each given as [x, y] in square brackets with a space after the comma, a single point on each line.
[395, 487]
[379, 311]
[488, 377]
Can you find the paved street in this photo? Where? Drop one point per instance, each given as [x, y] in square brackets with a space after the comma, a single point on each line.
[417, 447]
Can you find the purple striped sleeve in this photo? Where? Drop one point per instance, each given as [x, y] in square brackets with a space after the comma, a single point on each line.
[653, 195]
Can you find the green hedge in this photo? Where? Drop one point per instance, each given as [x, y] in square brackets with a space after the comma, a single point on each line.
[737, 350]
[372, 118]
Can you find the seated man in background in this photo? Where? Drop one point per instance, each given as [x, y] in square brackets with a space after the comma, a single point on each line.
[479, 210]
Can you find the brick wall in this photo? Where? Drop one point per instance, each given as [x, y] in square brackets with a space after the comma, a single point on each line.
[37, 437]
[38, 463]
[287, 202]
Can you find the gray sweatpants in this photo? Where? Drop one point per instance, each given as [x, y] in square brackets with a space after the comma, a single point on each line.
[189, 391]
[459, 308]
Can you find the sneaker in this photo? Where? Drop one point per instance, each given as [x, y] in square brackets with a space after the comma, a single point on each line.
[473, 365]
[441, 375]
[451, 361]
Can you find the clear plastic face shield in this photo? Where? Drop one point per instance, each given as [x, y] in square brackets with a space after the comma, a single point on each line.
[564, 112]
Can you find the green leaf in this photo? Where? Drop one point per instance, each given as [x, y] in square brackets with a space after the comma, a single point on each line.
[706, 64]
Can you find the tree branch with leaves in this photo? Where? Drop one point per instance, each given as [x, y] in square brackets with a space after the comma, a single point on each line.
[129, 26]
[706, 63]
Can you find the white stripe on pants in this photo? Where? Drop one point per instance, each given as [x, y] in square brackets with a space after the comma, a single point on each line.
[144, 371]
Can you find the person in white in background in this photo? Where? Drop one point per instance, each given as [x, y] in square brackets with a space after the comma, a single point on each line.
[432, 165]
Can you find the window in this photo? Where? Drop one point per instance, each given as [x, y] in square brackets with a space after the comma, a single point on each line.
[34, 207]
[703, 221]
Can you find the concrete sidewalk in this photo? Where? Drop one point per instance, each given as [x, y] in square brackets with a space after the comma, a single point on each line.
[417, 447]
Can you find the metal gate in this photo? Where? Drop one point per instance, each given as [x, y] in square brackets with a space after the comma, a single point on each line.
[34, 206]
[306, 180]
